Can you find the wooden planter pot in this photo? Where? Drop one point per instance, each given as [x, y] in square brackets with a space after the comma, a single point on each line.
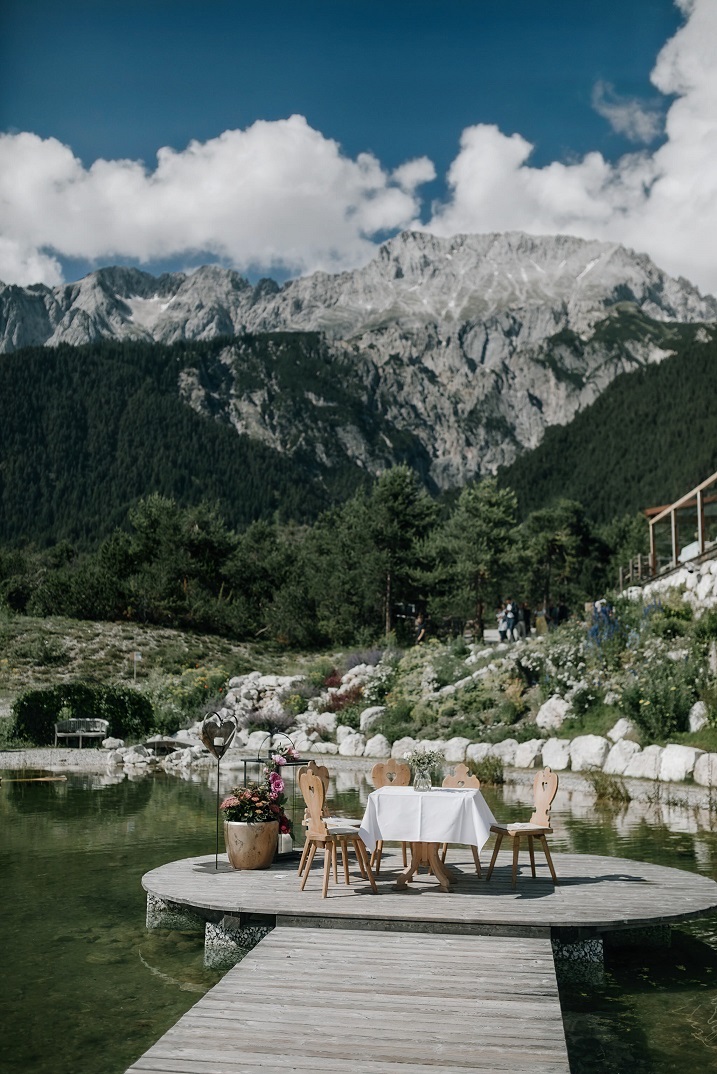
[251, 846]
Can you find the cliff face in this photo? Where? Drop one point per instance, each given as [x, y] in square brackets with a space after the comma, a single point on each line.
[468, 346]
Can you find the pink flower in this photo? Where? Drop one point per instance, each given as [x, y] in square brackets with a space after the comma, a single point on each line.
[232, 800]
[277, 783]
[278, 759]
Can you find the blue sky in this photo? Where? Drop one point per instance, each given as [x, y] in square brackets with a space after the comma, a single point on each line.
[547, 105]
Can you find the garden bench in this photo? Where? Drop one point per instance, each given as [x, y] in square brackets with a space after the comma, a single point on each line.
[81, 728]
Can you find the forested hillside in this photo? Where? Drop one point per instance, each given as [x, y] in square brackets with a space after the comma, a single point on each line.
[649, 438]
[88, 431]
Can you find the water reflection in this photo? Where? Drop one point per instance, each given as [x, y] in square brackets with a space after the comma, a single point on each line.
[72, 855]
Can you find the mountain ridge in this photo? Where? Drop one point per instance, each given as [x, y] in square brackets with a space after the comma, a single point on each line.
[470, 347]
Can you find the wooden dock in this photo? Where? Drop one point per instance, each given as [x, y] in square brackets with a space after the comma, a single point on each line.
[321, 1000]
[412, 981]
[595, 894]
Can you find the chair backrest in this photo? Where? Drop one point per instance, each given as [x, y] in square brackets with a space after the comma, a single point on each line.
[545, 787]
[392, 772]
[319, 770]
[314, 792]
[462, 778]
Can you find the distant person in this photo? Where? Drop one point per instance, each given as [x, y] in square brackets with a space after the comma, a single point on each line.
[510, 619]
[542, 624]
[519, 622]
[527, 619]
[421, 627]
[502, 628]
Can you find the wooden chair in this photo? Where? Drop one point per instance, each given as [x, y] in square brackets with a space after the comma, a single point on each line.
[462, 778]
[545, 787]
[322, 772]
[384, 774]
[319, 834]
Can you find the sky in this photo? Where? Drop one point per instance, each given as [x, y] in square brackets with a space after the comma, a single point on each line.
[287, 138]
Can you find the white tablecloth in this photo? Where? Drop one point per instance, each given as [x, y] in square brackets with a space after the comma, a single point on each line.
[442, 815]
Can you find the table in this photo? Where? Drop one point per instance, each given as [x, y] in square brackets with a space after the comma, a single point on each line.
[426, 820]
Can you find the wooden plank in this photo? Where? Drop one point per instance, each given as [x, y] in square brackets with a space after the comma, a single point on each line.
[314, 1000]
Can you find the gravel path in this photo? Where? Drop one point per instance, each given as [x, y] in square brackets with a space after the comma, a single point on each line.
[61, 758]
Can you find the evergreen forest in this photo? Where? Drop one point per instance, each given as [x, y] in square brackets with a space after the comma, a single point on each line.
[118, 501]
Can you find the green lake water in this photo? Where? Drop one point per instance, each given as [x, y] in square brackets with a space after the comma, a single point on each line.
[85, 989]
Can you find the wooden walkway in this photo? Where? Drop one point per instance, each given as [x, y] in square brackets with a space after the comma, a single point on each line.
[321, 1000]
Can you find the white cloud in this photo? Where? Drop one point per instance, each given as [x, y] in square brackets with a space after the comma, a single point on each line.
[663, 202]
[278, 194]
[281, 195]
[637, 120]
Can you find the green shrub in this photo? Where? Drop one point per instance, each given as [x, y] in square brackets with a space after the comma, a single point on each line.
[607, 788]
[129, 712]
[397, 721]
[319, 672]
[660, 705]
[489, 770]
[706, 625]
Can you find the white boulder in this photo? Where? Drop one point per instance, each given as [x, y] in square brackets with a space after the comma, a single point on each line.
[529, 754]
[646, 764]
[553, 713]
[378, 746]
[114, 757]
[678, 763]
[352, 745]
[505, 750]
[325, 721]
[588, 751]
[258, 740]
[112, 743]
[620, 756]
[324, 747]
[705, 772]
[301, 741]
[556, 754]
[698, 716]
[403, 746]
[477, 751]
[371, 716]
[624, 728]
[343, 731]
[454, 751]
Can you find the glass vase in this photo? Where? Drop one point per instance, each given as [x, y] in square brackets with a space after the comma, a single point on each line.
[422, 778]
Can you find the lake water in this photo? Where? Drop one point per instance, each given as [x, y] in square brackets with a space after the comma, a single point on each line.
[85, 989]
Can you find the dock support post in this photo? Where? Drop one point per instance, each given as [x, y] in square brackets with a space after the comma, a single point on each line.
[226, 942]
[164, 915]
[579, 960]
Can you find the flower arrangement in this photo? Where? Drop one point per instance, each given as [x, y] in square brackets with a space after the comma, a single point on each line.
[424, 758]
[259, 802]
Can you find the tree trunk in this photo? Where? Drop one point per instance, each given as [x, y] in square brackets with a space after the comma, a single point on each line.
[388, 603]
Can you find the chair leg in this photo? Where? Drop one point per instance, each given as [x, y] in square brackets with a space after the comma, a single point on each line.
[516, 852]
[345, 858]
[496, 848]
[444, 851]
[531, 852]
[335, 861]
[304, 856]
[375, 862]
[312, 854]
[544, 844]
[329, 851]
[404, 854]
[361, 854]
[476, 859]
